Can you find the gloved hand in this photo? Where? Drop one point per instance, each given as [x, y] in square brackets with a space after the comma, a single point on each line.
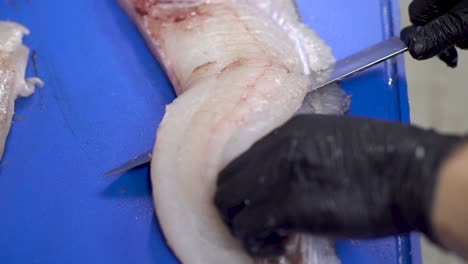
[334, 176]
[438, 26]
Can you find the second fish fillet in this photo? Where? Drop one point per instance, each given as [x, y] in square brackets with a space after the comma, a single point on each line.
[13, 61]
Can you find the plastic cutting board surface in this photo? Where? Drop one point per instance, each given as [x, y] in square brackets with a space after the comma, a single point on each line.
[103, 98]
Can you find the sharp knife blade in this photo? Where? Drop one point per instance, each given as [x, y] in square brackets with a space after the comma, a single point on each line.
[131, 164]
[362, 60]
[340, 70]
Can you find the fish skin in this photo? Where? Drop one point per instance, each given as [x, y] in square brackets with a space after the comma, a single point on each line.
[13, 61]
[240, 68]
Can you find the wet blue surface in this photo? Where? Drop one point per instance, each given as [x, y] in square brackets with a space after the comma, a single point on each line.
[102, 102]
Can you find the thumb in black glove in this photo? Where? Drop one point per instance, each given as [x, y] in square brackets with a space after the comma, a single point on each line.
[334, 176]
[438, 26]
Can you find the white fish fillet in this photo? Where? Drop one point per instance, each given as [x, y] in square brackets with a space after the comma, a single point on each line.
[240, 68]
[13, 60]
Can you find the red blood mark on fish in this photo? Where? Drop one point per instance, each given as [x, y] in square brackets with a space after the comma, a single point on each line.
[203, 67]
[142, 6]
[235, 64]
[171, 14]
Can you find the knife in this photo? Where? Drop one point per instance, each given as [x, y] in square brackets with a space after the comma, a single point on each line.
[131, 164]
[342, 69]
[362, 60]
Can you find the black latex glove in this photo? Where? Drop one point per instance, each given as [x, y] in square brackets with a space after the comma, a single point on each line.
[335, 176]
[438, 26]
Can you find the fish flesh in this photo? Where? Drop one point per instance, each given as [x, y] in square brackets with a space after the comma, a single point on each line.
[240, 69]
[13, 61]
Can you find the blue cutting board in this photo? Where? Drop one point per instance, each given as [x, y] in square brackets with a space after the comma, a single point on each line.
[102, 102]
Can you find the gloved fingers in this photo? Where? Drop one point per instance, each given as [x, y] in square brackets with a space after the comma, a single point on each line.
[450, 57]
[270, 246]
[408, 33]
[258, 228]
[233, 196]
[259, 220]
[435, 37]
[231, 170]
[463, 45]
[422, 12]
[268, 144]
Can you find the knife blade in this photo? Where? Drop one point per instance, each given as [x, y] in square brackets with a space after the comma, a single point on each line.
[361, 60]
[342, 69]
[131, 164]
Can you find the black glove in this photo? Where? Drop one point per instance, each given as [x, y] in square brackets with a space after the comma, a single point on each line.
[333, 176]
[438, 26]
